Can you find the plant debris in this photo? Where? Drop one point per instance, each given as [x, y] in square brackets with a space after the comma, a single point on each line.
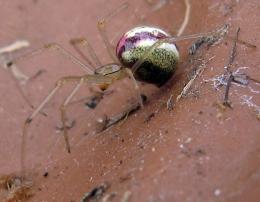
[169, 103]
[108, 122]
[229, 72]
[5, 59]
[247, 100]
[95, 194]
[149, 117]
[233, 77]
[115, 119]
[210, 40]
[17, 45]
[199, 70]
[239, 79]
[18, 189]
[108, 197]
[126, 196]
[93, 101]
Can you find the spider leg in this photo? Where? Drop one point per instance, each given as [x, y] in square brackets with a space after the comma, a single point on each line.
[63, 108]
[52, 46]
[59, 49]
[11, 64]
[122, 74]
[99, 79]
[186, 18]
[76, 42]
[137, 88]
[102, 30]
[101, 25]
[63, 112]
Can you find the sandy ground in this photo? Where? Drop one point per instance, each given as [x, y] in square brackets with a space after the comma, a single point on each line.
[199, 151]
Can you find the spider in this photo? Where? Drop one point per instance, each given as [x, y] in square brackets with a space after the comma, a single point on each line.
[144, 53]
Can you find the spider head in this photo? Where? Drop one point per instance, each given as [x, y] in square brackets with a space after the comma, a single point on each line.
[108, 69]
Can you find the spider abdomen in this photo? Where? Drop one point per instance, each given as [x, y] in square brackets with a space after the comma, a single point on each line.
[160, 64]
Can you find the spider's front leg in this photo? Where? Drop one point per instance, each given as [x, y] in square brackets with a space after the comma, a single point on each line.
[77, 42]
[101, 25]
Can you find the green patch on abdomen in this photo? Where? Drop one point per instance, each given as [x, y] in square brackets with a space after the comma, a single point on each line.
[157, 68]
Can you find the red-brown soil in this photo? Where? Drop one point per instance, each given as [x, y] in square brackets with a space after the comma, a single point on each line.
[196, 152]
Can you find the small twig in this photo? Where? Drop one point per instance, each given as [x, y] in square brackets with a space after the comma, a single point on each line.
[234, 50]
[228, 69]
[96, 193]
[108, 197]
[17, 73]
[5, 62]
[247, 44]
[126, 196]
[123, 115]
[114, 120]
[149, 117]
[19, 44]
[197, 73]
[226, 102]
[253, 79]
[169, 103]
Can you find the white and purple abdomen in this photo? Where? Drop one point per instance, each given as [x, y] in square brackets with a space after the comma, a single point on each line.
[160, 64]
